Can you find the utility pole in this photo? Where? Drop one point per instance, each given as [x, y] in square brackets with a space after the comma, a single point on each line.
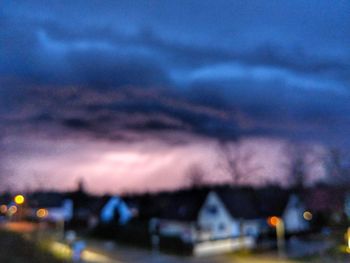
[278, 224]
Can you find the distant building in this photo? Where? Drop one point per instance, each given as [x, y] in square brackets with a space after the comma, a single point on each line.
[228, 220]
[211, 220]
[86, 208]
[286, 204]
[56, 206]
[293, 215]
[221, 218]
[115, 209]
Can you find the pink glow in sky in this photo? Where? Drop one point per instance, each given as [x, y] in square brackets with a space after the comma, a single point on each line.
[148, 165]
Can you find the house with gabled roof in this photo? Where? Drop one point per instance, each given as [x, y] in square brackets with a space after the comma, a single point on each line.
[206, 217]
[229, 212]
[58, 207]
[217, 219]
[286, 204]
[176, 213]
[115, 209]
[228, 220]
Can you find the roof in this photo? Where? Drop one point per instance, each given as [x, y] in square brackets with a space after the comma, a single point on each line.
[80, 199]
[184, 205]
[181, 205]
[97, 204]
[240, 202]
[46, 199]
[85, 204]
[272, 200]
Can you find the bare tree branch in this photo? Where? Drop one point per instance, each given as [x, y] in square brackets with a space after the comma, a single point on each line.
[337, 166]
[238, 162]
[300, 158]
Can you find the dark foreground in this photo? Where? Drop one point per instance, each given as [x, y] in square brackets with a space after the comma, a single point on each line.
[16, 248]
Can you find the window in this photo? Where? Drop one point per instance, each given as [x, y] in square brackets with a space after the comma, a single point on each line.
[212, 209]
[222, 226]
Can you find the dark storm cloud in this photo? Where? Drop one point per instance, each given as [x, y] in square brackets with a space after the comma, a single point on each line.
[182, 54]
[50, 46]
[111, 113]
[219, 68]
[31, 56]
[275, 106]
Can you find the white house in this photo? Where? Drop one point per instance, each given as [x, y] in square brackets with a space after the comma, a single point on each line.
[225, 218]
[293, 215]
[213, 221]
[63, 212]
[221, 217]
[227, 221]
[50, 206]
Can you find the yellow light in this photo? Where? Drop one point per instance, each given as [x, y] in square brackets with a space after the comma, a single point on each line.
[347, 250]
[42, 213]
[307, 215]
[94, 257]
[12, 210]
[273, 221]
[65, 252]
[3, 209]
[19, 199]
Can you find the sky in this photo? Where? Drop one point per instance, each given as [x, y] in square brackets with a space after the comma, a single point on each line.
[128, 95]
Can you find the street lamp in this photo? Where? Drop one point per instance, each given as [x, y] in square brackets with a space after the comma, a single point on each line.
[12, 210]
[19, 199]
[42, 213]
[307, 215]
[348, 240]
[277, 222]
[3, 209]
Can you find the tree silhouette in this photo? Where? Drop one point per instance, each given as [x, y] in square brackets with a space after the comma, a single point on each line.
[337, 166]
[300, 158]
[238, 162]
[195, 175]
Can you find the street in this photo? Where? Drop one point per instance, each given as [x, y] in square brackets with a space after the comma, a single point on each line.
[99, 251]
[117, 253]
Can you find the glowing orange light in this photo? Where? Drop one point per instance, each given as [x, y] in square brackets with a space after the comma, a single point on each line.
[273, 221]
[19, 199]
[42, 213]
[3, 209]
[12, 210]
[307, 215]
